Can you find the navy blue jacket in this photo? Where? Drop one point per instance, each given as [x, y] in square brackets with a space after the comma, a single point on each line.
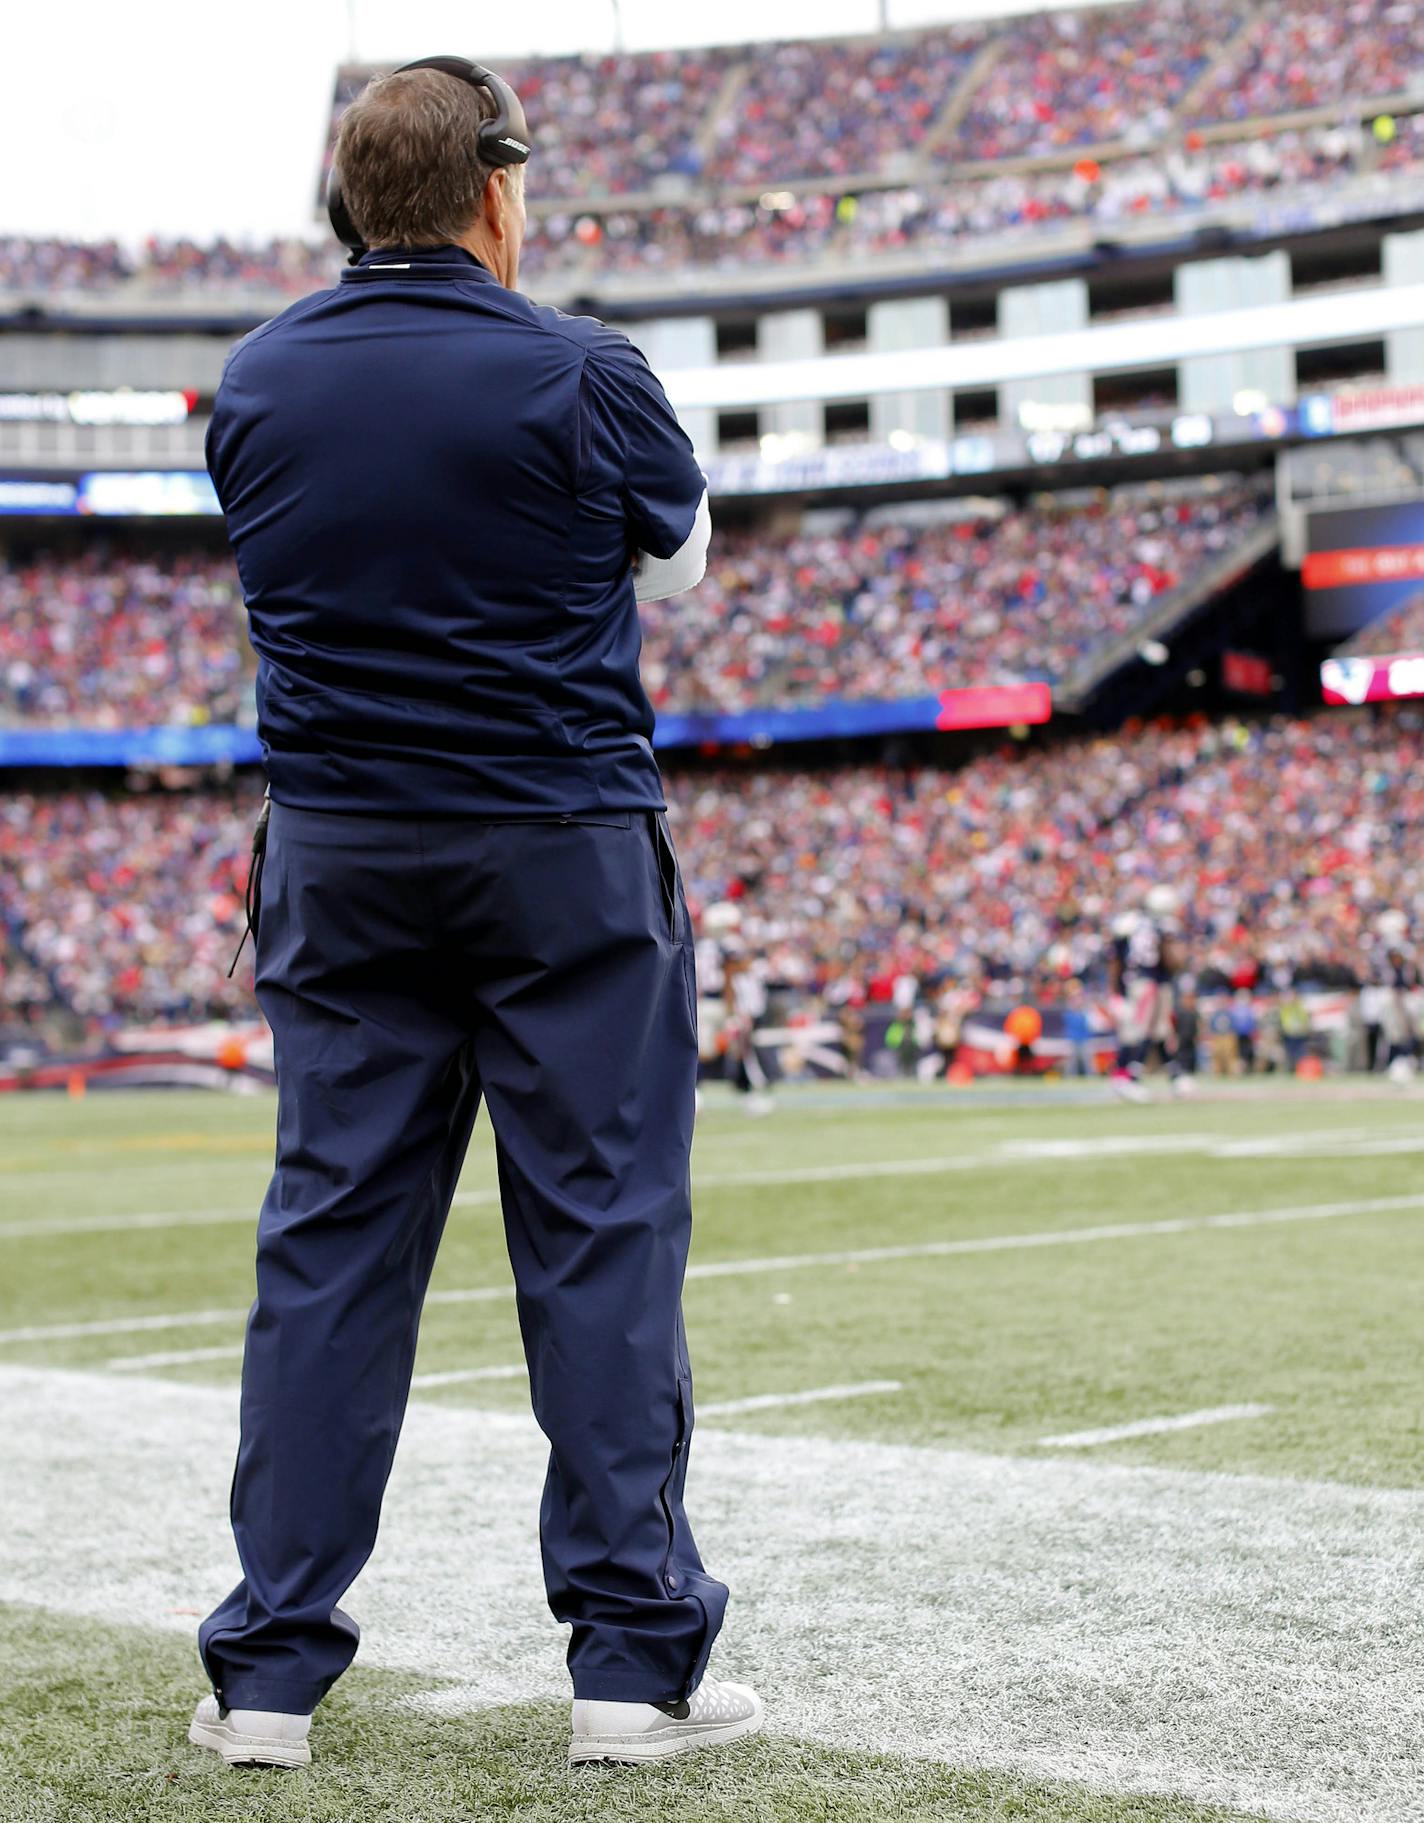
[435, 490]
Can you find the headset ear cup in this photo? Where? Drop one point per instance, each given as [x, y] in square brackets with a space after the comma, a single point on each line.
[340, 217]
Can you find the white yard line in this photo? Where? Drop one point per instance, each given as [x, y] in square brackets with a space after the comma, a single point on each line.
[1241, 1641]
[125, 1224]
[815, 1395]
[471, 1294]
[1152, 1427]
[796, 1262]
[121, 1326]
[180, 1357]
[459, 1375]
[1346, 1142]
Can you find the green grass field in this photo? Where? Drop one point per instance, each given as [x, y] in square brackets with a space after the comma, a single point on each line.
[902, 1303]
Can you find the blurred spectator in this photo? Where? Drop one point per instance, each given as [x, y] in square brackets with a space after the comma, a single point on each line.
[115, 640]
[702, 229]
[118, 640]
[125, 907]
[1093, 77]
[832, 107]
[889, 609]
[1306, 56]
[1292, 845]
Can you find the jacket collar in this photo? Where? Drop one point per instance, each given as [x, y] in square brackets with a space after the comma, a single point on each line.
[417, 263]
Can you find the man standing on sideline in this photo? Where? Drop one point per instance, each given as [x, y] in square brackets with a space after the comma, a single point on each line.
[444, 500]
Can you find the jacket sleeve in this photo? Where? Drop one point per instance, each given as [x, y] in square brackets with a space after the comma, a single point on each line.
[661, 486]
[655, 578]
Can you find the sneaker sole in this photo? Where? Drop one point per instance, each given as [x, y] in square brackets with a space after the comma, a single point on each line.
[666, 1744]
[239, 1752]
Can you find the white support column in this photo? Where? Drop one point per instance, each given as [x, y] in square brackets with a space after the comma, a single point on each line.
[1402, 263]
[909, 323]
[793, 335]
[682, 341]
[1211, 382]
[1053, 309]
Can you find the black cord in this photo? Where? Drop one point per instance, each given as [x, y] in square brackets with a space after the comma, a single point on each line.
[252, 899]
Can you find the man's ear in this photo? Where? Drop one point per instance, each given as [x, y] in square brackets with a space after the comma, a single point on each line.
[496, 204]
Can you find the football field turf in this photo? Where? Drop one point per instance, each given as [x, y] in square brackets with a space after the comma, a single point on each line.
[1064, 1459]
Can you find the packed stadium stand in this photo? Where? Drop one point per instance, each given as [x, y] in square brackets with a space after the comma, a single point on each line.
[1285, 840]
[881, 608]
[720, 232]
[1295, 56]
[896, 164]
[892, 608]
[734, 156]
[112, 639]
[1092, 78]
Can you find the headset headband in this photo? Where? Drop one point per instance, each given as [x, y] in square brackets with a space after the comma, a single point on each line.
[502, 141]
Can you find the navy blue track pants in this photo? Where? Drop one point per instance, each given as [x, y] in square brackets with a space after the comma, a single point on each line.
[407, 968]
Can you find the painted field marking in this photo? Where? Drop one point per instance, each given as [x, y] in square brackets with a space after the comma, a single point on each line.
[471, 1294]
[458, 1375]
[181, 1357]
[815, 1395]
[125, 1224]
[121, 1326]
[1152, 1427]
[1350, 1142]
[797, 1262]
[1246, 1641]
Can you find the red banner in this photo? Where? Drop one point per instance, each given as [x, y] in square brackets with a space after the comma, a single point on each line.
[1384, 563]
[994, 706]
[1247, 673]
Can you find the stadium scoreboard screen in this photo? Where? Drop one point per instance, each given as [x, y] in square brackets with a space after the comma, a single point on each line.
[1360, 564]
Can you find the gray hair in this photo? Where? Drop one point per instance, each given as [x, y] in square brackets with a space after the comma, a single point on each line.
[410, 175]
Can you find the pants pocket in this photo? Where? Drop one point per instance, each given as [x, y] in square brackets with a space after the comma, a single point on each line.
[666, 857]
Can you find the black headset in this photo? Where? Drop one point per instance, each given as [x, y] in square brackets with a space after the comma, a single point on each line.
[504, 140]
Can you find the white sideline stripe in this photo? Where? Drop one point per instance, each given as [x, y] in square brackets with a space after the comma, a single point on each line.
[1243, 1641]
[458, 1375]
[472, 1294]
[1151, 1427]
[815, 1395]
[138, 1364]
[124, 1224]
[121, 1326]
[1345, 1142]
[796, 1262]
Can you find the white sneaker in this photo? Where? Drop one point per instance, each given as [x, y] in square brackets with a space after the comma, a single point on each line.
[714, 1714]
[251, 1737]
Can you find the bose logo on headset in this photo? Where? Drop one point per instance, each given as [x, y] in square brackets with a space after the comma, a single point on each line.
[495, 143]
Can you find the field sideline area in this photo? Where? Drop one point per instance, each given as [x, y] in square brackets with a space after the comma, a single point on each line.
[1064, 1458]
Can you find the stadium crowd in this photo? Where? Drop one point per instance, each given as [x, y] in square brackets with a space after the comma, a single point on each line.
[890, 607]
[161, 266]
[697, 133]
[924, 215]
[1286, 843]
[1293, 847]
[828, 108]
[113, 639]
[1309, 55]
[886, 608]
[124, 907]
[1094, 77]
